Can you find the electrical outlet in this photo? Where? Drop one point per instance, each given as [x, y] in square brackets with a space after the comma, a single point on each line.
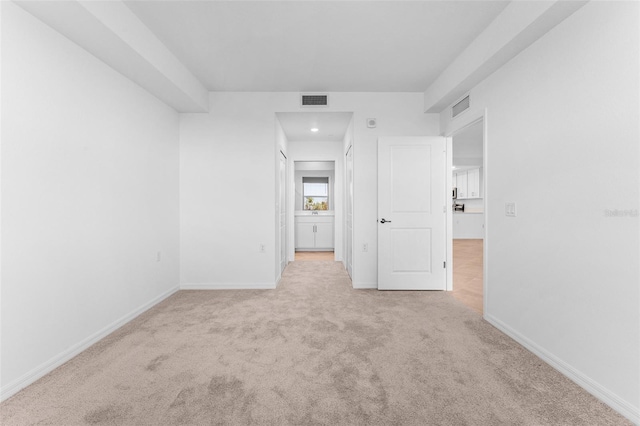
[261, 247]
[510, 209]
[159, 257]
[365, 247]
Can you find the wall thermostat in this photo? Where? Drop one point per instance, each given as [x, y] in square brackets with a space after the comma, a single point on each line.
[371, 122]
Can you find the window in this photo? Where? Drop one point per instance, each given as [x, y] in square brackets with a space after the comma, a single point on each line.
[315, 193]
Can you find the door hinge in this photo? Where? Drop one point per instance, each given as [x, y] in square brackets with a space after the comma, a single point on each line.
[444, 265]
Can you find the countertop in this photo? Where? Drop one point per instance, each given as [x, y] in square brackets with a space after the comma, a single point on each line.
[314, 213]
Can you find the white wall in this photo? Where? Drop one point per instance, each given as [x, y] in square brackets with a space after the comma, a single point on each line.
[474, 205]
[227, 193]
[89, 196]
[468, 226]
[226, 212]
[562, 142]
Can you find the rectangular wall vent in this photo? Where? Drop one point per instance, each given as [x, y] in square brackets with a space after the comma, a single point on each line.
[460, 107]
[314, 100]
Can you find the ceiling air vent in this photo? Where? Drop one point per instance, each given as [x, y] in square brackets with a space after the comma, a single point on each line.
[314, 100]
[460, 107]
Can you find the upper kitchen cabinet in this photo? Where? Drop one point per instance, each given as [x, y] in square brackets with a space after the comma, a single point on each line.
[461, 181]
[467, 159]
[473, 183]
[468, 183]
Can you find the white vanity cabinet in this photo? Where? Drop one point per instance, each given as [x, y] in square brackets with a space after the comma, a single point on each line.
[305, 234]
[314, 232]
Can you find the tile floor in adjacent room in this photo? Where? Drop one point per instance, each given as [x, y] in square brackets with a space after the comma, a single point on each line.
[467, 273]
[467, 270]
[314, 255]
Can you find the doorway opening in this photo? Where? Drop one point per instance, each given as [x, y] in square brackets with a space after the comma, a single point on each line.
[468, 217]
[314, 210]
[315, 144]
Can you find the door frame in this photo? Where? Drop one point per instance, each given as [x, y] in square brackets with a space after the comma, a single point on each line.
[348, 234]
[469, 119]
[338, 184]
[282, 197]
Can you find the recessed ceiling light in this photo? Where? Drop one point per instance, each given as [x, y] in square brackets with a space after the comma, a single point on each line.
[454, 167]
[314, 129]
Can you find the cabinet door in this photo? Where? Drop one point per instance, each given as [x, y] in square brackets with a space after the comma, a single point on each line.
[461, 180]
[324, 235]
[305, 237]
[473, 183]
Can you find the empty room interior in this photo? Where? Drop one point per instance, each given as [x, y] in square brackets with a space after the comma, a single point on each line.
[320, 212]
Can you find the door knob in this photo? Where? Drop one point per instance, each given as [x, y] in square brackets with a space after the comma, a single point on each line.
[383, 220]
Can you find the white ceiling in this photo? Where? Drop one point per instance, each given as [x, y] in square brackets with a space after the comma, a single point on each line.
[331, 126]
[379, 46]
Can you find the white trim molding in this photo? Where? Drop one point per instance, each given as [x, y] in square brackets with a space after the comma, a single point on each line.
[48, 366]
[360, 285]
[587, 383]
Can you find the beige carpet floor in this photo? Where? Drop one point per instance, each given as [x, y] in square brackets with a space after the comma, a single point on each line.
[312, 352]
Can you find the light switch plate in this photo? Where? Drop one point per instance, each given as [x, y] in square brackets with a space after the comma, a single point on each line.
[510, 209]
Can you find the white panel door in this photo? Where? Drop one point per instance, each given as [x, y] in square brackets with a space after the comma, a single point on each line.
[411, 213]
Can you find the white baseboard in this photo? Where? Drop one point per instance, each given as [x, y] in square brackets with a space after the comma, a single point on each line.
[48, 366]
[364, 285]
[594, 388]
[228, 286]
